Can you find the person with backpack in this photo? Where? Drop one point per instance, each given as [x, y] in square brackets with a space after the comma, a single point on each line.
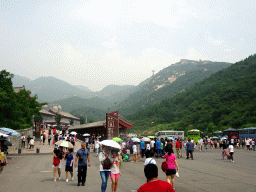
[105, 167]
[82, 156]
[149, 159]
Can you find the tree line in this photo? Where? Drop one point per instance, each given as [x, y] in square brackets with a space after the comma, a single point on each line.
[225, 99]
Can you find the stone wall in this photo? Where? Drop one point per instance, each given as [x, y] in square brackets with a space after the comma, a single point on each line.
[16, 142]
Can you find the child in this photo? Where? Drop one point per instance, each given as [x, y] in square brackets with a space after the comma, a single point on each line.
[69, 164]
[149, 159]
[128, 152]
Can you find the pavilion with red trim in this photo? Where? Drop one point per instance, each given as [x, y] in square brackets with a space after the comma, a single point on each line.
[100, 128]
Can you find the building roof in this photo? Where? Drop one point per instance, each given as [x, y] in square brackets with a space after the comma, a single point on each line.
[42, 111]
[64, 114]
[89, 125]
[17, 89]
[122, 121]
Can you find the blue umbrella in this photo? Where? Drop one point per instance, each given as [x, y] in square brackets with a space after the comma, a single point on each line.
[223, 138]
[9, 131]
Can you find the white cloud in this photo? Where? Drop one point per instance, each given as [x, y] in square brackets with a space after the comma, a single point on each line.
[168, 13]
[111, 44]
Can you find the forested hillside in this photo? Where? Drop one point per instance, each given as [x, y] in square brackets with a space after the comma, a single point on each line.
[225, 99]
[166, 83]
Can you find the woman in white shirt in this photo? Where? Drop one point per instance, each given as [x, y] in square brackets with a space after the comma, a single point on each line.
[96, 147]
[104, 173]
[116, 170]
[231, 152]
[135, 152]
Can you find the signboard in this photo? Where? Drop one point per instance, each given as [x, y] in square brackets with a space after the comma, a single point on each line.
[112, 125]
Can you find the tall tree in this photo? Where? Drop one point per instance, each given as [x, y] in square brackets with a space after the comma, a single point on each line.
[16, 109]
[58, 118]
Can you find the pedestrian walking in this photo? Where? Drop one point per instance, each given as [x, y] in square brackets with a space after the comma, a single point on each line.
[73, 140]
[82, 156]
[178, 148]
[105, 167]
[97, 146]
[224, 152]
[153, 184]
[28, 141]
[143, 148]
[149, 158]
[69, 164]
[231, 152]
[172, 167]
[58, 154]
[253, 144]
[116, 170]
[31, 143]
[23, 139]
[190, 149]
[158, 148]
[49, 139]
[135, 152]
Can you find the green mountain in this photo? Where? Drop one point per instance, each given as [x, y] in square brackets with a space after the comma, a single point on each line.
[225, 99]
[90, 113]
[72, 103]
[19, 81]
[84, 88]
[168, 82]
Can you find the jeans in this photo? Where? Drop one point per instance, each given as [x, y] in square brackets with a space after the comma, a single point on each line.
[159, 152]
[253, 147]
[104, 177]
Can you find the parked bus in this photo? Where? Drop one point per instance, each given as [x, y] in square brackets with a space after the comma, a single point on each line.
[175, 134]
[247, 132]
[194, 134]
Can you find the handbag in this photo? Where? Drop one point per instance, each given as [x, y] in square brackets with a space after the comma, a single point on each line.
[56, 161]
[164, 166]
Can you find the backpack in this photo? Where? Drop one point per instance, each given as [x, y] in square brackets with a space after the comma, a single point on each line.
[106, 164]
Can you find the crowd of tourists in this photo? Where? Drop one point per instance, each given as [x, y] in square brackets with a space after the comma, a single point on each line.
[111, 160]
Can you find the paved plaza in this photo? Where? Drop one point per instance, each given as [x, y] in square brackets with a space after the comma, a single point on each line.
[207, 172]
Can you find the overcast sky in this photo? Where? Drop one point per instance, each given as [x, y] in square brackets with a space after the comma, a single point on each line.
[101, 42]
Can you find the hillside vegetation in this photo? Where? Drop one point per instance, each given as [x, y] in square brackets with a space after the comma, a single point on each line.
[166, 83]
[225, 99]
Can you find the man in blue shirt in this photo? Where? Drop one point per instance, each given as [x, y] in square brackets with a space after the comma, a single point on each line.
[82, 156]
[142, 147]
[190, 148]
[158, 148]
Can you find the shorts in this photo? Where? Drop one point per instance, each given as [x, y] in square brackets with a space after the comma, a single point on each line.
[116, 176]
[170, 172]
[135, 152]
[68, 168]
[58, 166]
